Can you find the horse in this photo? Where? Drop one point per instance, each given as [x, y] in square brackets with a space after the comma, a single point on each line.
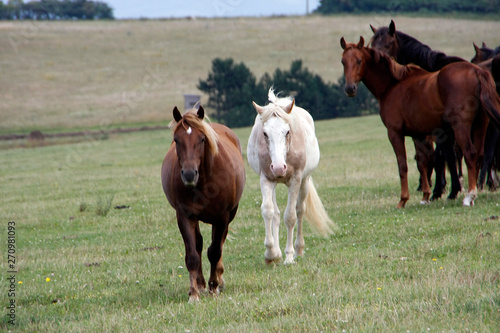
[203, 177]
[406, 50]
[413, 102]
[489, 60]
[484, 53]
[282, 148]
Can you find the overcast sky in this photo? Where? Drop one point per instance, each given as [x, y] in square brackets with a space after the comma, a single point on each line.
[208, 8]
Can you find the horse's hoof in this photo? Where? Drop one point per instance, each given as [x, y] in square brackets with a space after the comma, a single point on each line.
[289, 261]
[435, 197]
[468, 201]
[272, 261]
[425, 202]
[193, 299]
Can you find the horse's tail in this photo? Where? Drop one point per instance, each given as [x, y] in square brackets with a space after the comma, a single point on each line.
[315, 212]
[488, 96]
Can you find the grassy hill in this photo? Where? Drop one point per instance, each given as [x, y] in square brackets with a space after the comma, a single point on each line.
[87, 267]
[60, 75]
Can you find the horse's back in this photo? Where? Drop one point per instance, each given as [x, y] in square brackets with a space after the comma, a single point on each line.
[228, 134]
[311, 142]
[229, 162]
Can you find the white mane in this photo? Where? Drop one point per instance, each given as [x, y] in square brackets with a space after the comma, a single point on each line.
[276, 108]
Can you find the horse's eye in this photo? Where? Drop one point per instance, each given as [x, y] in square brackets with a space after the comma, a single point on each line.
[359, 61]
[176, 142]
[202, 140]
[286, 135]
[265, 135]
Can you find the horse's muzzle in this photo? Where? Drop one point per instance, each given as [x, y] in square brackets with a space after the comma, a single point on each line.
[350, 89]
[189, 177]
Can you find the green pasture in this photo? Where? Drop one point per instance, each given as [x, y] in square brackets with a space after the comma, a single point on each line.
[84, 266]
[87, 268]
[56, 75]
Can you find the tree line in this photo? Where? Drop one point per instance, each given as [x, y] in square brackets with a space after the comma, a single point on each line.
[422, 6]
[231, 88]
[55, 10]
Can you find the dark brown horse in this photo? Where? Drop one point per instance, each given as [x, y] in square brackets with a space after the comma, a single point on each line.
[489, 60]
[416, 103]
[203, 176]
[484, 53]
[406, 49]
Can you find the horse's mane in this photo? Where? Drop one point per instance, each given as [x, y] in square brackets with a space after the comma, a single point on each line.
[275, 108]
[411, 50]
[191, 119]
[397, 70]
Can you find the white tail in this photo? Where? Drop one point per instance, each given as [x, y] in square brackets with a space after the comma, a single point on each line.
[316, 214]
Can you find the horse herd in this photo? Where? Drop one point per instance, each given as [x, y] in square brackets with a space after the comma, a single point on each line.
[438, 98]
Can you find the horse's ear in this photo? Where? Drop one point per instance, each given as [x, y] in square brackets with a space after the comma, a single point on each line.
[201, 112]
[476, 48]
[373, 28]
[177, 114]
[361, 42]
[484, 45]
[342, 43]
[392, 28]
[289, 107]
[258, 108]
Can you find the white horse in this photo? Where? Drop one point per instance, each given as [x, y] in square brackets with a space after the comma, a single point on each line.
[283, 148]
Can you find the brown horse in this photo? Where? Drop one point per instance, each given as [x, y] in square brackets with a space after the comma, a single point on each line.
[406, 49]
[416, 103]
[203, 176]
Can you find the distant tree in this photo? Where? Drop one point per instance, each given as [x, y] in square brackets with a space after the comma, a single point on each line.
[348, 6]
[231, 89]
[55, 10]
[308, 89]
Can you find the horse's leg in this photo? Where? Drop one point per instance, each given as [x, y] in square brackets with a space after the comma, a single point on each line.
[268, 213]
[398, 144]
[300, 208]
[276, 225]
[451, 160]
[439, 167]
[472, 152]
[214, 252]
[422, 156]
[199, 248]
[490, 142]
[188, 229]
[290, 215]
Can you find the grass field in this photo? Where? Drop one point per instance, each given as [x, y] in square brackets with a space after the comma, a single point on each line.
[56, 75]
[85, 268]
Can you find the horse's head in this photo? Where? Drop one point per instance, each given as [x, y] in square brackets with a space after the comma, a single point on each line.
[193, 139]
[276, 133]
[354, 65]
[483, 53]
[384, 40]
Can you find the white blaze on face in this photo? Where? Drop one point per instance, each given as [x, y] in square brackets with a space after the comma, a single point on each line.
[189, 130]
[277, 130]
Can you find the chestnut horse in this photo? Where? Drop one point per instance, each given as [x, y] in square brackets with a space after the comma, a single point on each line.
[416, 103]
[203, 176]
[283, 148]
[406, 49]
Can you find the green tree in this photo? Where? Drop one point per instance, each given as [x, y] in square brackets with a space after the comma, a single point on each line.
[231, 89]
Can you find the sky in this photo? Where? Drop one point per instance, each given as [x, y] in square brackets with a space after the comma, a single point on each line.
[208, 8]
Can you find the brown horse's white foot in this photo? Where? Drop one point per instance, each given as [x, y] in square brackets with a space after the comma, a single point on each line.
[194, 298]
[425, 202]
[469, 198]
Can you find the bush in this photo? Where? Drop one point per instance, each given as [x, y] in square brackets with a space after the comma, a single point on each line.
[232, 87]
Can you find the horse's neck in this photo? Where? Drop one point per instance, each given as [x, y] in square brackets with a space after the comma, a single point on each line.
[378, 77]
